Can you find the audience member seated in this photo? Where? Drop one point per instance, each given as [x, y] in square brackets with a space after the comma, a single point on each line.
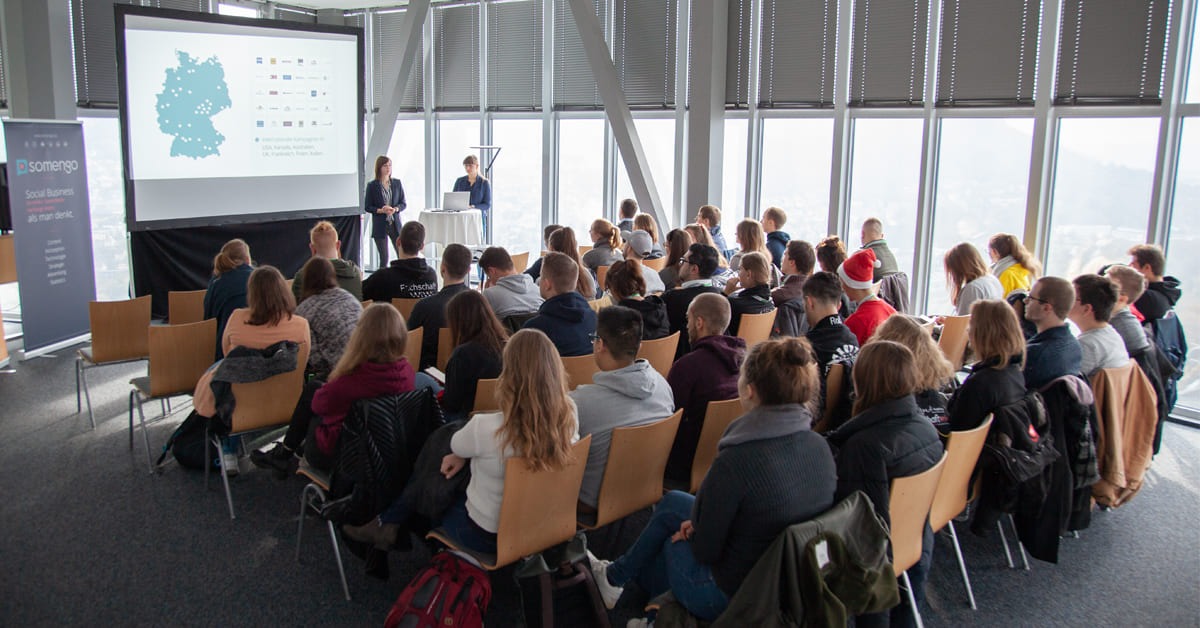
[695, 276]
[1016, 300]
[323, 242]
[565, 316]
[997, 379]
[331, 312]
[832, 342]
[887, 438]
[637, 248]
[750, 238]
[773, 220]
[535, 269]
[627, 391]
[536, 421]
[430, 313]
[969, 278]
[1012, 263]
[563, 241]
[1100, 344]
[606, 245]
[227, 288]
[830, 255]
[750, 291]
[708, 372]
[626, 283]
[869, 310]
[709, 217]
[1054, 351]
[935, 374]
[799, 259]
[1130, 285]
[478, 339]
[678, 243]
[408, 277]
[628, 209]
[872, 239]
[646, 222]
[701, 548]
[700, 235]
[509, 293]
[1162, 292]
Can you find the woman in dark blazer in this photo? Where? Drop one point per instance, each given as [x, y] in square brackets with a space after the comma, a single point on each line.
[383, 200]
[480, 189]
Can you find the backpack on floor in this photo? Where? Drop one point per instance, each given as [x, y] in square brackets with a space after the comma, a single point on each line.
[187, 445]
[449, 592]
[558, 589]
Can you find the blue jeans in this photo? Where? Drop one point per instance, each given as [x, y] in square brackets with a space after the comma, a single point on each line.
[423, 380]
[658, 564]
[461, 529]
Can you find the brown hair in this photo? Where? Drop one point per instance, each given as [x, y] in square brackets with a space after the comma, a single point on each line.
[628, 208]
[714, 308]
[700, 235]
[560, 271]
[777, 215]
[751, 237]
[1151, 254]
[563, 241]
[1099, 292]
[885, 370]
[802, 254]
[825, 288]
[1056, 292]
[496, 257]
[963, 264]
[268, 296]
[235, 253]
[379, 337]
[831, 253]
[457, 260]
[625, 279]
[621, 330]
[549, 230]
[995, 332]
[759, 267]
[608, 233]
[317, 276]
[1006, 244]
[532, 391]
[470, 159]
[711, 213]
[412, 237]
[380, 162]
[646, 223]
[933, 369]
[782, 370]
[1130, 282]
[471, 319]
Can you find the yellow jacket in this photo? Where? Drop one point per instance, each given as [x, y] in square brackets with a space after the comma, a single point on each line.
[1014, 277]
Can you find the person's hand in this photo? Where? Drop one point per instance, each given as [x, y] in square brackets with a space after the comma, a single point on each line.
[731, 285]
[684, 533]
[939, 320]
[451, 465]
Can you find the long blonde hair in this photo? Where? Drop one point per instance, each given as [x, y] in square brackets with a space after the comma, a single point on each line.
[532, 392]
[751, 237]
[1007, 244]
[700, 235]
[608, 233]
[995, 333]
[379, 337]
[933, 369]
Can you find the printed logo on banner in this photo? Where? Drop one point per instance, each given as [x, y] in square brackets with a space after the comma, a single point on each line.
[22, 167]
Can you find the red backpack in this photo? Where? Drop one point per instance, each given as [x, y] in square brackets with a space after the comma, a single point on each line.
[449, 592]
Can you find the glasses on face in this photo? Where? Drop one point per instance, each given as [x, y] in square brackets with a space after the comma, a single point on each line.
[1030, 297]
[593, 337]
[684, 260]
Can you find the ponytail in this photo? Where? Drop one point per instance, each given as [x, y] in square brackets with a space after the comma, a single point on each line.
[235, 253]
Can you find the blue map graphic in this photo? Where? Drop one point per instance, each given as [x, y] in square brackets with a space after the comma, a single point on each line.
[193, 93]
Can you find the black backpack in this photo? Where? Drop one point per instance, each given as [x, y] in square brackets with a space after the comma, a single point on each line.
[187, 445]
[558, 589]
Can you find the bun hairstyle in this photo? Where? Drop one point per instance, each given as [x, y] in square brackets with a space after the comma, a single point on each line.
[235, 253]
[608, 232]
[1007, 244]
[783, 371]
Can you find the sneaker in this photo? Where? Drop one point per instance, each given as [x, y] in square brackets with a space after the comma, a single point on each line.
[279, 459]
[229, 460]
[609, 592]
[380, 535]
[639, 622]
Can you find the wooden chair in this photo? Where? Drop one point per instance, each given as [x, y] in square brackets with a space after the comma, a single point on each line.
[8, 259]
[833, 395]
[601, 303]
[717, 418]
[583, 249]
[412, 347]
[633, 475]
[261, 405]
[313, 497]
[953, 341]
[179, 355]
[655, 264]
[908, 506]
[755, 328]
[520, 261]
[660, 353]
[118, 337]
[485, 396]
[444, 349]
[601, 274]
[405, 307]
[950, 497]
[536, 512]
[366, 304]
[580, 369]
[185, 306]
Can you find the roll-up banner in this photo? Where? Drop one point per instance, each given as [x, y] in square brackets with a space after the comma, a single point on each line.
[47, 187]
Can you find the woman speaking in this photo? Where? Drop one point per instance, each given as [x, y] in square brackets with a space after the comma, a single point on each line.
[384, 199]
[480, 189]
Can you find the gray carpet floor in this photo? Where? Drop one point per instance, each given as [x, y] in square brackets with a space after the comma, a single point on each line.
[89, 537]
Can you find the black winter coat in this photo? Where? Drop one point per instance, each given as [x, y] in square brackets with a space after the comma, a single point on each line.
[984, 390]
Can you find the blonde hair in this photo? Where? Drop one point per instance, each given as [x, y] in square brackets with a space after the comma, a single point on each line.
[532, 393]
[323, 235]
[751, 237]
[759, 267]
[933, 369]
[1007, 244]
[379, 337]
[963, 264]
[646, 223]
[1131, 282]
[608, 232]
[235, 253]
[700, 235]
[885, 370]
[777, 215]
[995, 332]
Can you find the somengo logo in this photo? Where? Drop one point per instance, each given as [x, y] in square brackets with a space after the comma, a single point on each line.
[66, 166]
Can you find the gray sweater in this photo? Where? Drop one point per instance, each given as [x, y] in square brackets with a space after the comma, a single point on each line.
[332, 316]
[514, 294]
[1130, 330]
[985, 287]
[1102, 348]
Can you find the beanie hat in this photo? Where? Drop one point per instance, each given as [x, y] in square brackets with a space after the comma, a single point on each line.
[859, 269]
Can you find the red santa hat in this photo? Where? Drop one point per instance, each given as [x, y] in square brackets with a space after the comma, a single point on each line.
[859, 269]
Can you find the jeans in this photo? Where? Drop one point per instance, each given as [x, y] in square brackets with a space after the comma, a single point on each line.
[462, 530]
[658, 564]
[423, 380]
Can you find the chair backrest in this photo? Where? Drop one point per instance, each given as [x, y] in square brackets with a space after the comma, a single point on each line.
[405, 306]
[119, 329]
[717, 418]
[580, 370]
[953, 341]
[633, 475]
[368, 303]
[444, 349]
[271, 401]
[179, 355]
[8, 259]
[185, 306]
[538, 507]
[908, 508]
[412, 348]
[601, 303]
[660, 353]
[520, 261]
[583, 249]
[962, 452]
[601, 274]
[485, 396]
[833, 396]
[656, 264]
[755, 328]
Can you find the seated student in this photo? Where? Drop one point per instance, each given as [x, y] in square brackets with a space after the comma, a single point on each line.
[798, 261]
[478, 339]
[750, 238]
[832, 342]
[1130, 285]
[707, 373]
[227, 289]
[887, 438]
[773, 220]
[606, 245]
[695, 274]
[563, 241]
[430, 313]
[1101, 346]
[408, 277]
[678, 243]
[331, 312]
[637, 248]
[323, 242]
[969, 278]
[1162, 292]
[626, 285]
[709, 217]
[536, 421]
[628, 210]
[535, 269]
[872, 239]
[626, 391]
[646, 222]
[750, 291]
[1053, 352]
[1012, 263]
[701, 235]
[935, 374]
[565, 316]
[996, 379]
[830, 255]
[702, 547]
[508, 292]
[870, 310]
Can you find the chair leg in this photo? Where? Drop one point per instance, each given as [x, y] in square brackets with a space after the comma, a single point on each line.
[962, 566]
[78, 399]
[1004, 540]
[337, 555]
[87, 394]
[912, 600]
[145, 436]
[216, 441]
[1020, 546]
[303, 516]
[131, 394]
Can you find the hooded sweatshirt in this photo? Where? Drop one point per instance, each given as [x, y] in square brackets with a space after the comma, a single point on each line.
[708, 373]
[633, 395]
[1159, 297]
[513, 294]
[402, 279]
[654, 316]
[568, 320]
[777, 242]
[349, 278]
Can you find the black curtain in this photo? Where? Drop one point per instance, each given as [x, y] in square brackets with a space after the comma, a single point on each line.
[181, 259]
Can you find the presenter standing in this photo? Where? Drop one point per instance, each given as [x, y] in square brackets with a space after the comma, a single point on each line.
[480, 189]
[384, 199]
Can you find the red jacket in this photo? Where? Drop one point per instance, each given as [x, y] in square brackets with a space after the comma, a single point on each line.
[332, 401]
[867, 317]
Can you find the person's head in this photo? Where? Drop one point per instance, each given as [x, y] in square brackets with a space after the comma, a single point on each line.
[678, 242]
[750, 236]
[709, 216]
[645, 222]
[233, 254]
[323, 240]
[268, 296]
[532, 394]
[995, 333]
[411, 239]
[799, 258]
[707, 315]
[773, 219]
[559, 275]
[872, 230]
[456, 264]
[1149, 260]
[963, 264]
[1004, 245]
[934, 370]
[380, 337]
[700, 262]
[1130, 283]
[831, 253]
[546, 231]
[884, 370]
[857, 274]
[1049, 301]
[755, 270]
[625, 279]
[778, 372]
[639, 245]
[700, 235]
[496, 262]
[629, 208]
[317, 276]
[471, 165]
[1095, 296]
[618, 337]
[604, 232]
[471, 319]
[822, 296]
[563, 241]
[383, 168]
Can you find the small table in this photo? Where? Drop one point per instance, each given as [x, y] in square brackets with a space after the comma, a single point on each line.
[453, 227]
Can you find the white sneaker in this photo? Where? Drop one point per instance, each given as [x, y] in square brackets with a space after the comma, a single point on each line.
[230, 462]
[609, 592]
[639, 622]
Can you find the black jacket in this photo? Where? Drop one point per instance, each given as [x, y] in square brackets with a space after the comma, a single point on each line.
[984, 390]
[226, 293]
[756, 300]
[468, 364]
[677, 302]
[654, 316]
[1159, 297]
[1050, 355]
[402, 279]
[430, 314]
[568, 320]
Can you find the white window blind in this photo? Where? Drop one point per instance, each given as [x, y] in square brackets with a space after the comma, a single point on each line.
[1112, 52]
[644, 33]
[887, 55]
[799, 53]
[456, 57]
[385, 55]
[514, 39]
[574, 87]
[988, 52]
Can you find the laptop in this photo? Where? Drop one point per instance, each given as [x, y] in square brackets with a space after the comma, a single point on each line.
[456, 201]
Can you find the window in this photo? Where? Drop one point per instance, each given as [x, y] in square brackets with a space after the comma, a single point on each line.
[658, 144]
[733, 176]
[106, 199]
[982, 179]
[517, 187]
[884, 183]
[455, 139]
[1184, 252]
[1102, 189]
[407, 152]
[580, 174]
[795, 175]
[236, 10]
[1193, 72]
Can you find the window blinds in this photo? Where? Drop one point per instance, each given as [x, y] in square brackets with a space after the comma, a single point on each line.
[574, 87]
[737, 63]
[988, 52]
[456, 57]
[3, 77]
[644, 44]
[385, 54]
[199, 6]
[1112, 52]
[798, 53]
[514, 40]
[94, 37]
[887, 55]
[293, 14]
